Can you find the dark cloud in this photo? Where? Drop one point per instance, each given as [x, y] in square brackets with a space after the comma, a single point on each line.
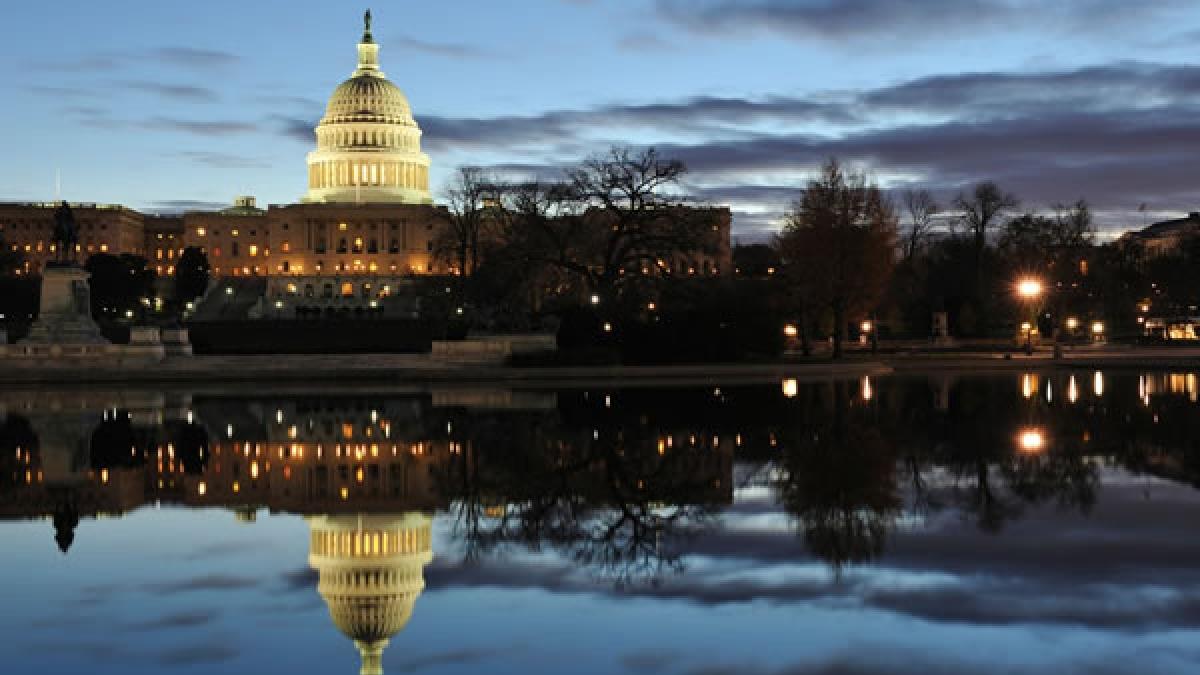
[195, 655]
[1117, 135]
[301, 579]
[451, 50]
[644, 42]
[185, 619]
[201, 127]
[181, 206]
[651, 661]
[212, 582]
[894, 20]
[223, 160]
[183, 57]
[180, 92]
[191, 57]
[447, 658]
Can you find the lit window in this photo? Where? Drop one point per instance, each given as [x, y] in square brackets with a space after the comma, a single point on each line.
[199, 231]
[347, 290]
[285, 247]
[253, 251]
[104, 248]
[234, 233]
[341, 227]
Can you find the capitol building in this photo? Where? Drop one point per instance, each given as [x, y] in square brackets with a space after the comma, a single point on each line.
[366, 227]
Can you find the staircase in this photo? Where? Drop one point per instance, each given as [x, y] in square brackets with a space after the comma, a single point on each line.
[231, 299]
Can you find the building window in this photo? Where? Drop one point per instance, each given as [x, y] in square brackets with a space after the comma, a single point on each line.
[199, 231]
[308, 290]
[366, 290]
[253, 251]
[327, 291]
[358, 244]
[373, 246]
[233, 249]
[286, 247]
[347, 289]
[341, 245]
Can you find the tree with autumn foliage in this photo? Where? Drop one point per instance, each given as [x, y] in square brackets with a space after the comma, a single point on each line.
[838, 247]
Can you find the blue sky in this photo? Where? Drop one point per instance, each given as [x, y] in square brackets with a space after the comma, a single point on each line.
[164, 106]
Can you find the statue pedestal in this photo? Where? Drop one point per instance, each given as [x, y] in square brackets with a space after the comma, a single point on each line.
[65, 317]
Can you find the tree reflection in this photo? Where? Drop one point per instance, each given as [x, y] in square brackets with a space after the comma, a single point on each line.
[838, 478]
[609, 495]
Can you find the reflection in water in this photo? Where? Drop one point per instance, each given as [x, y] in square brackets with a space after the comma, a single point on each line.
[623, 484]
[371, 570]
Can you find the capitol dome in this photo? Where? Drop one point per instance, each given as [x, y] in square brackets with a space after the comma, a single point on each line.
[371, 569]
[368, 144]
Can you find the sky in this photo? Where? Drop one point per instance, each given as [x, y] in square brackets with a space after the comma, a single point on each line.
[169, 106]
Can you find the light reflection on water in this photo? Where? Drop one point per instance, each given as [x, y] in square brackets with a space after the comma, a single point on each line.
[889, 525]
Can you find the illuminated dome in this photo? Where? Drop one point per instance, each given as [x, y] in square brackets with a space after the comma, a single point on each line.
[371, 571]
[368, 145]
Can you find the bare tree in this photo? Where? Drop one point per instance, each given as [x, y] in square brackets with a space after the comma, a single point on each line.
[623, 213]
[982, 213]
[921, 208]
[467, 199]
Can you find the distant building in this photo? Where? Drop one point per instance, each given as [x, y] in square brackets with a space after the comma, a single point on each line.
[1164, 237]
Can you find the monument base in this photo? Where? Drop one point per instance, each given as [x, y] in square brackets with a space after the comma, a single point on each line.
[65, 314]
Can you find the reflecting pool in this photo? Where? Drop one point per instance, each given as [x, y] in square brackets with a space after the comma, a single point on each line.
[1036, 522]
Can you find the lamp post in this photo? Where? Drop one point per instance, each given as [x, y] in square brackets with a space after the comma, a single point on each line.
[1030, 289]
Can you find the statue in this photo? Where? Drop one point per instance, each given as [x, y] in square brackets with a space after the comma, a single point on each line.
[66, 233]
[367, 25]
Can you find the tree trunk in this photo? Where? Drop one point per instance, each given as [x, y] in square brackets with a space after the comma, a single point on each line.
[839, 327]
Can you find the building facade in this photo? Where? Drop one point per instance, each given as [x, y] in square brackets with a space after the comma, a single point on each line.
[365, 227]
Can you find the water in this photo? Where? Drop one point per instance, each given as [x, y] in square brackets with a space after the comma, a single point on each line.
[1015, 523]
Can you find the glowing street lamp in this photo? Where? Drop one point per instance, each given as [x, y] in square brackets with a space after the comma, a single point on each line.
[1031, 441]
[1029, 290]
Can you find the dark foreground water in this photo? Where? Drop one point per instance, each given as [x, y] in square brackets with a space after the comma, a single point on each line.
[1037, 523]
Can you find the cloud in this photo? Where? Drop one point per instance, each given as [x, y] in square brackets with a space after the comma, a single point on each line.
[301, 579]
[179, 92]
[181, 206]
[201, 127]
[191, 57]
[644, 42]
[186, 619]
[451, 50]
[196, 655]
[896, 20]
[223, 160]
[107, 61]
[1114, 134]
[212, 582]
[448, 658]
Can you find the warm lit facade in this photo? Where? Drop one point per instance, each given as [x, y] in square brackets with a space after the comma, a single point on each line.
[103, 228]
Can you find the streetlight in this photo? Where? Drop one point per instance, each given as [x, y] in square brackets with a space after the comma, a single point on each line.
[1029, 289]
